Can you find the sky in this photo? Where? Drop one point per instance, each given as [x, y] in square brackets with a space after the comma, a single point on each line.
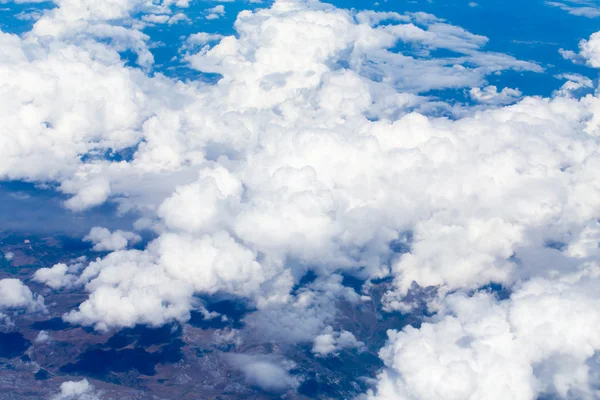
[257, 141]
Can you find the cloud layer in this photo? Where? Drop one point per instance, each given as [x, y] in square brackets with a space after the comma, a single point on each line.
[318, 149]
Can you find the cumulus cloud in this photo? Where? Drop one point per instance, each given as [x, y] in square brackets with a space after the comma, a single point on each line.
[491, 95]
[76, 22]
[269, 373]
[42, 337]
[8, 256]
[165, 18]
[172, 270]
[202, 38]
[105, 240]
[363, 46]
[314, 150]
[575, 85]
[15, 295]
[77, 390]
[292, 160]
[57, 277]
[56, 132]
[536, 343]
[330, 342]
[61, 275]
[215, 12]
[589, 52]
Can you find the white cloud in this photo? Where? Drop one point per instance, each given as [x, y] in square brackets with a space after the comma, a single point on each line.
[323, 32]
[198, 208]
[61, 131]
[491, 95]
[580, 8]
[313, 151]
[8, 256]
[177, 3]
[165, 18]
[29, 15]
[57, 277]
[105, 240]
[73, 22]
[42, 337]
[57, 101]
[77, 390]
[277, 167]
[537, 342]
[267, 372]
[202, 38]
[15, 295]
[177, 18]
[157, 285]
[156, 18]
[574, 85]
[589, 52]
[330, 342]
[215, 12]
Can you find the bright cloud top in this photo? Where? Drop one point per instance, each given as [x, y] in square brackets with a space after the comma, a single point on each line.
[15, 295]
[77, 390]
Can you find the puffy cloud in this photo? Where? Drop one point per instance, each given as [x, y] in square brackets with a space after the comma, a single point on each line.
[165, 18]
[56, 100]
[64, 70]
[589, 51]
[324, 33]
[314, 151]
[81, 22]
[158, 284]
[202, 38]
[332, 342]
[576, 85]
[490, 95]
[77, 390]
[295, 160]
[8, 256]
[156, 18]
[269, 373]
[201, 207]
[42, 337]
[215, 12]
[105, 240]
[15, 295]
[60, 275]
[57, 277]
[537, 342]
